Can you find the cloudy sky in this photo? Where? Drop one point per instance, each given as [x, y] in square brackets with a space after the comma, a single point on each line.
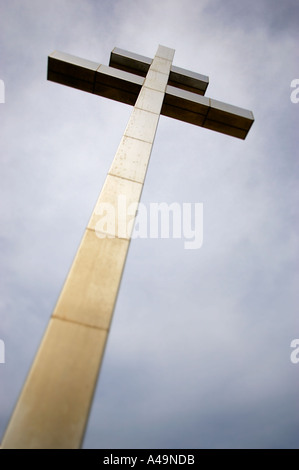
[199, 350]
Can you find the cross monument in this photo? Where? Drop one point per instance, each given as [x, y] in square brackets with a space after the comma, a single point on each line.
[55, 401]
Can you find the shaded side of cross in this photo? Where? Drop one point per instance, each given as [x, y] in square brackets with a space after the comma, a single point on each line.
[53, 407]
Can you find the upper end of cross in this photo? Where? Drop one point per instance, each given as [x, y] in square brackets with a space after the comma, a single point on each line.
[123, 78]
[165, 52]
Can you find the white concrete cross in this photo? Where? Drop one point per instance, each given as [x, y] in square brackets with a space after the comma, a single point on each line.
[53, 407]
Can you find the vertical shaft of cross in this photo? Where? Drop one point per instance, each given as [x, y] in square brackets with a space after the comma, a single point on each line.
[53, 407]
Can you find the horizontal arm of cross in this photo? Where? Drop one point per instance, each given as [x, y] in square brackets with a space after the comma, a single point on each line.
[124, 86]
